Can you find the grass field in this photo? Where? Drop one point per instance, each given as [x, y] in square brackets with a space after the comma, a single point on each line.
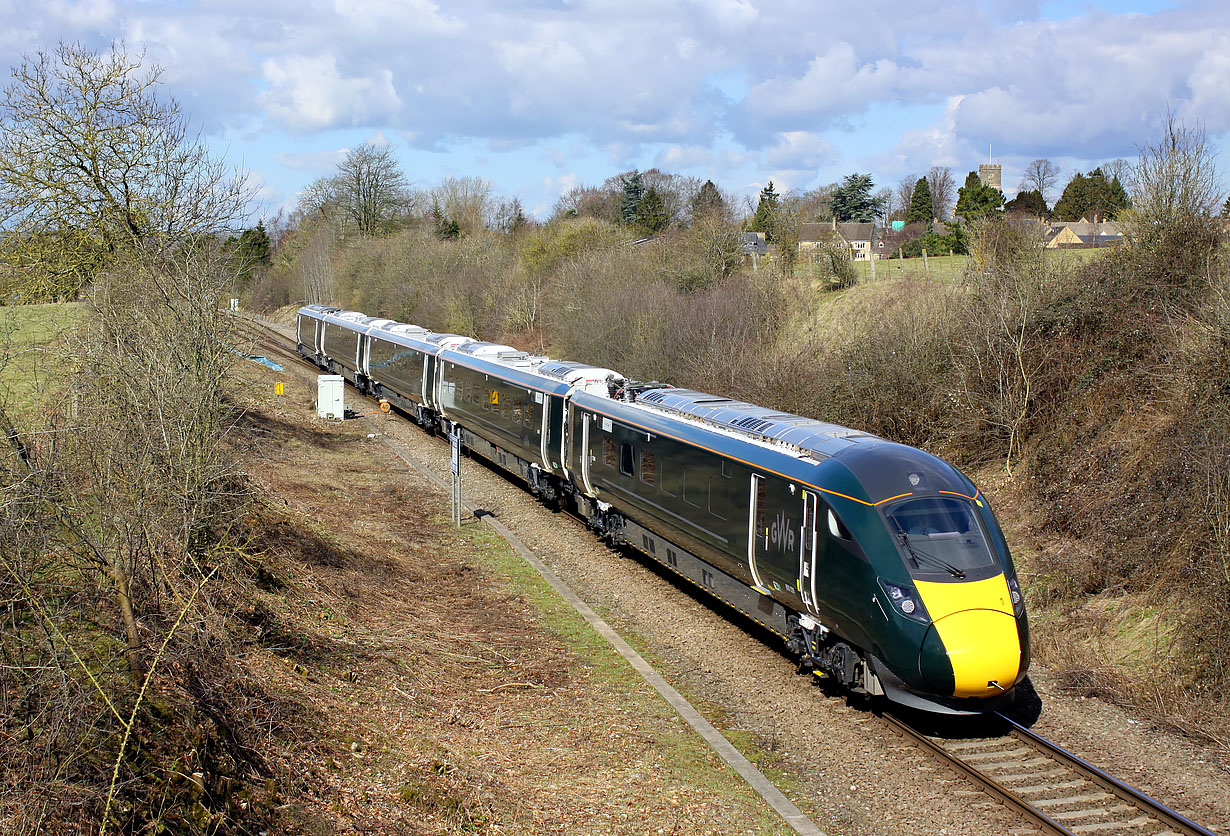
[29, 357]
[953, 266]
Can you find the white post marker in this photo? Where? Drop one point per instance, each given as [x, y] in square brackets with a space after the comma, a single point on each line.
[454, 466]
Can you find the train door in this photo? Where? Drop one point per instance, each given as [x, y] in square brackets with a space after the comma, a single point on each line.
[544, 438]
[318, 339]
[585, 454]
[773, 553]
[807, 552]
[756, 529]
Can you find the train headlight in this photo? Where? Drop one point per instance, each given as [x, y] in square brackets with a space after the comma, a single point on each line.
[905, 601]
[1018, 599]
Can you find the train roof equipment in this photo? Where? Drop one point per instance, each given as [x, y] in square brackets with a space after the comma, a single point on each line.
[593, 379]
[806, 436]
[447, 340]
[403, 329]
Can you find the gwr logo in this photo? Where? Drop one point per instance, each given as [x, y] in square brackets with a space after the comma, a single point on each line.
[781, 533]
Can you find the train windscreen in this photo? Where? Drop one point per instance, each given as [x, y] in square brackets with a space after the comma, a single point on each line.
[941, 535]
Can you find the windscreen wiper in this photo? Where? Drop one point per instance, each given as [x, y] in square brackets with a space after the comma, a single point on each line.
[921, 556]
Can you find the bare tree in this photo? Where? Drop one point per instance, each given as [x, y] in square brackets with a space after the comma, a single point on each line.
[1176, 198]
[943, 190]
[94, 163]
[315, 266]
[588, 201]
[1040, 176]
[510, 216]
[468, 201]
[370, 188]
[903, 195]
[1121, 169]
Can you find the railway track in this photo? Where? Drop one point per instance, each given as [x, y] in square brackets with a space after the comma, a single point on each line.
[277, 345]
[1053, 789]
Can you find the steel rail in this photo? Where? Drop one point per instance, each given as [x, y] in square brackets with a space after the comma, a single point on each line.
[1168, 821]
[1174, 820]
[985, 782]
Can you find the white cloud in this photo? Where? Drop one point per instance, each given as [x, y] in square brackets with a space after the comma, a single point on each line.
[733, 88]
[310, 93]
[800, 150]
[935, 144]
[834, 83]
[82, 13]
[313, 161]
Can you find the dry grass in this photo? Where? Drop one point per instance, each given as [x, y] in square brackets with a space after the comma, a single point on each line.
[443, 689]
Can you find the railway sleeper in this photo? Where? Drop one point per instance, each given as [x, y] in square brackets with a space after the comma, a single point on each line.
[1062, 785]
[1098, 827]
[1072, 799]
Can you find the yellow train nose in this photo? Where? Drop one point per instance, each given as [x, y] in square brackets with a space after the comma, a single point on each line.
[977, 632]
[983, 649]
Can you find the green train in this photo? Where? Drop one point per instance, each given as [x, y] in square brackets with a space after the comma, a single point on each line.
[879, 565]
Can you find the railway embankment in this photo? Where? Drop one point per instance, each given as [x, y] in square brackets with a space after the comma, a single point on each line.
[1087, 392]
[840, 759]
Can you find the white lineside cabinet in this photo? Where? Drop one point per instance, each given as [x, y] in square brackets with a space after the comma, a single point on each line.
[330, 396]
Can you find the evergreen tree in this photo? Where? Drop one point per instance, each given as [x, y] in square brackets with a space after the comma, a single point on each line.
[1119, 199]
[765, 219]
[445, 227]
[975, 200]
[250, 253]
[1087, 196]
[634, 192]
[708, 201]
[651, 214]
[1028, 202]
[921, 210]
[1225, 208]
[852, 200]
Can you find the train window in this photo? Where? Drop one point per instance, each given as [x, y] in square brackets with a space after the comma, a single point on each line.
[608, 453]
[626, 464]
[719, 497]
[507, 409]
[695, 487]
[836, 527]
[516, 413]
[941, 533]
[649, 468]
[760, 511]
[668, 478]
[529, 415]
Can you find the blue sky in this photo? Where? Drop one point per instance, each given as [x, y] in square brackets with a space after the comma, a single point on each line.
[540, 95]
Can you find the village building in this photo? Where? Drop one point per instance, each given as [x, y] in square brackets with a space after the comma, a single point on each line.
[857, 237]
[1083, 234]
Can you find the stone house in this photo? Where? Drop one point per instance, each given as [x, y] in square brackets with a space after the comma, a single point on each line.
[858, 237]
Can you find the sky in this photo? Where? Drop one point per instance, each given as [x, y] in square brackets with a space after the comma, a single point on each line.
[538, 96]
